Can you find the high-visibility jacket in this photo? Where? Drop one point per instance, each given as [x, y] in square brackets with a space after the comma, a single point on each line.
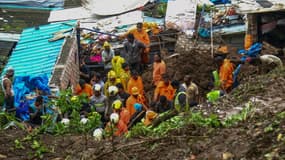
[125, 77]
[177, 103]
[213, 95]
[159, 68]
[86, 90]
[226, 74]
[135, 83]
[117, 62]
[164, 90]
[131, 101]
[217, 82]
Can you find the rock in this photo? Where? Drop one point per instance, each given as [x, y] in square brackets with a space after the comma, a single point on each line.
[228, 156]
[2, 156]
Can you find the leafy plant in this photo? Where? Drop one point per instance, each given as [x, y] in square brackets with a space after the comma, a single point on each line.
[246, 112]
[39, 148]
[18, 144]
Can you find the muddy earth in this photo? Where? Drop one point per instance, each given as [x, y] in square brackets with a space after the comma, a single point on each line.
[258, 137]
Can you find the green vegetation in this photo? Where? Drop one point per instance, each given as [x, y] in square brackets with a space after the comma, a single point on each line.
[195, 118]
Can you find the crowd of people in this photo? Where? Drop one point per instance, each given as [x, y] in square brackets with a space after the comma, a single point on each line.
[120, 97]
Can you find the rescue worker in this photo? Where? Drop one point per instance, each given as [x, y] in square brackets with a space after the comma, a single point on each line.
[226, 69]
[113, 96]
[125, 75]
[96, 79]
[159, 68]
[137, 116]
[117, 62]
[135, 81]
[163, 105]
[164, 88]
[111, 81]
[141, 35]
[83, 88]
[132, 52]
[116, 125]
[149, 117]
[107, 55]
[99, 103]
[192, 91]
[122, 94]
[122, 111]
[7, 88]
[135, 97]
[267, 62]
[180, 99]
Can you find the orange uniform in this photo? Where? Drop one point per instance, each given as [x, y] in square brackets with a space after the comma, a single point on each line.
[131, 101]
[86, 90]
[164, 90]
[226, 74]
[135, 83]
[120, 128]
[143, 38]
[125, 116]
[159, 68]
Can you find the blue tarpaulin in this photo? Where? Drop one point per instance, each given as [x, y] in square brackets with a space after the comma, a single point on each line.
[220, 1]
[26, 84]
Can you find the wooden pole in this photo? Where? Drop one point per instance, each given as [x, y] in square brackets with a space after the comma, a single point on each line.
[212, 38]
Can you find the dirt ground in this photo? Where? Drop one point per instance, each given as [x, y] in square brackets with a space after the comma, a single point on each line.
[259, 137]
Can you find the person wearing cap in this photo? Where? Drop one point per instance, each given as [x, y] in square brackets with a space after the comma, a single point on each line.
[159, 68]
[141, 35]
[111, 81]
[117, 62]
[116, 125]
[113, 96]
[163, 105]
[132, 51]
[107, 55]
[164, 88]
[135, 97]
[7, 88]
[122, 111]
[96, 78]
[180, 102]
[122, 93]
[149, 117]
[137, 116]
[125, 75]
[99, 102]
[83, 88]
[135, 81]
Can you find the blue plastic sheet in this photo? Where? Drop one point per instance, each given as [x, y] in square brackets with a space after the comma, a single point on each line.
[26, 84]
[220, 1]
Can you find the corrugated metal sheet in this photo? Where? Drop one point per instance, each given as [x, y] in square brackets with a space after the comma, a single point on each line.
[36, 4]
[34, 54]
[258, 6]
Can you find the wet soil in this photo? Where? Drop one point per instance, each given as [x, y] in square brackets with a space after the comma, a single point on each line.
[259, 137]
